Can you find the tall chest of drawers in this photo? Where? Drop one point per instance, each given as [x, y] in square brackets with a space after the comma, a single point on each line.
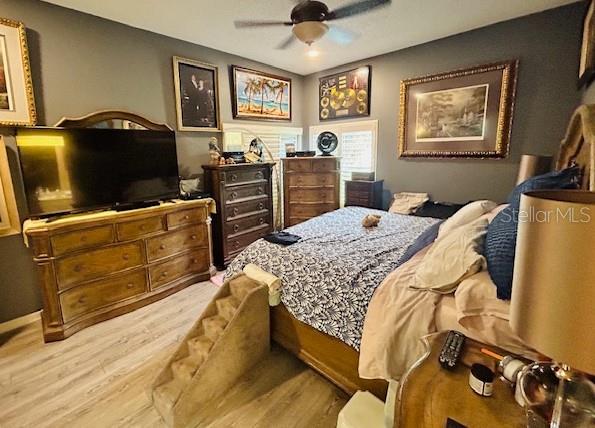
[243, 194]
[93, 267]
[310, 187]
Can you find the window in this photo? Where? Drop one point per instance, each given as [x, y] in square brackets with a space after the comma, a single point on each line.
[9, 218]
[237, 137]
[357, 147]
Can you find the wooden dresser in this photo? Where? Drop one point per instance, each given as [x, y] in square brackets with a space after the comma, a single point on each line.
[96, 266]
[310, 186]
[244, 197]
[364, 193]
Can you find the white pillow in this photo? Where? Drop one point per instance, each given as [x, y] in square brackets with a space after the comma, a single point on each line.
[407, 202]
[466, 215]
[453, 258]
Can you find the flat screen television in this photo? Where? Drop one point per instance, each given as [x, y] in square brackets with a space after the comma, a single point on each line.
[73, 170]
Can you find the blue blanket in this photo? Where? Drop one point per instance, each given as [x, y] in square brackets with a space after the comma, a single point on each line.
[329, 277]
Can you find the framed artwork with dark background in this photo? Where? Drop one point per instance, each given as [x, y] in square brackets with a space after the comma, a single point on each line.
[462, 113]
[345, 95]
[197, 95]
[586, 71]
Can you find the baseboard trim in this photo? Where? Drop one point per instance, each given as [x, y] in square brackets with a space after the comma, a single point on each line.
[19, 322]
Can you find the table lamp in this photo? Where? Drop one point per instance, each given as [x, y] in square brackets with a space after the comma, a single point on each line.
[553, 305]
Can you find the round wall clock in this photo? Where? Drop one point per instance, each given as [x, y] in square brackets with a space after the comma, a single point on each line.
[327, 142]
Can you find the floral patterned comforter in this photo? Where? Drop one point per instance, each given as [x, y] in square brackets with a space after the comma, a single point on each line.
[329, 277]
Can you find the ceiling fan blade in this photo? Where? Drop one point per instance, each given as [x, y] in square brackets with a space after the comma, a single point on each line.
[249, 24]
[341, 36]
[287, 42]
[356, 8]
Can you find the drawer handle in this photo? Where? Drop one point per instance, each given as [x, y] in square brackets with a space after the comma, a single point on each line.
[164, 273]
[259, 175]
[236, 227]
[260, 206]
[195, 260]
[234, 177]
[83, 238]
[82, 300]
[261, 220]
[186, 217]
[236, 244]
[235, 211]
[142, 227]
[125, 256]
[259, 191]
[129, 285]
[162, 247]
[78, 268]
[193, 237]
[234, 195]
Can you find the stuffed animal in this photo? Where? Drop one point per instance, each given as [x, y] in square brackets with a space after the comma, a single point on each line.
[371, 220]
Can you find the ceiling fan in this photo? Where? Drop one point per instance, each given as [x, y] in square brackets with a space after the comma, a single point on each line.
[309, 19]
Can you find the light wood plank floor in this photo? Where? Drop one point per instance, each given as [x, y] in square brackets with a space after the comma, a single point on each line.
[100, 377]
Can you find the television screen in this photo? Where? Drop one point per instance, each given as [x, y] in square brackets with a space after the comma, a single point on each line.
[68, 170]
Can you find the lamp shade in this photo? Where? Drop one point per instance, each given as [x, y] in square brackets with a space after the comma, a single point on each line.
[532, 165]
[553, 291]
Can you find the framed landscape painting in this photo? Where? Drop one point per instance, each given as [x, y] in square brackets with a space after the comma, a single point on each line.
[17, 105]
[197, 95]
[345, 95]
[463, 113]
[586, 71]
[260, 96]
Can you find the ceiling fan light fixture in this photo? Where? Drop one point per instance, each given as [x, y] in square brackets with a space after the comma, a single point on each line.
[309, 31]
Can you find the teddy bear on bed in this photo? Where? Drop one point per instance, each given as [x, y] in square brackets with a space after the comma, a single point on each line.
[371, 220]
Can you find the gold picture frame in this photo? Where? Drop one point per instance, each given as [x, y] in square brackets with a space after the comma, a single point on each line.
[17, 102]
[466, 113]
[586, 71]
[197, 98]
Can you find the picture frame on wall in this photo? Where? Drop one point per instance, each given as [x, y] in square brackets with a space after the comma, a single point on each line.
[463, 113]
[196, 87]
[345, 95]
[586, 71]
[260, 96]
[17, 103]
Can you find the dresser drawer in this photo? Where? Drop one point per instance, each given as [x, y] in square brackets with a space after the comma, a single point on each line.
[137, 228]
[97, 263]
[84, 238]
[297, 165]
[309, 211]
[322, 196]
[362, 186]
[246, 208]
[185, 217]
[233, 227]
[237, 243]
[246, 192]
[175, 242]
[244, 176]
[324, 165]
[165, 272]
[312, 179]
[86, 298]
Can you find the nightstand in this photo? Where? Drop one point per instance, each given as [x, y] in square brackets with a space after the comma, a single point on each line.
[429, 394]
[364, 193]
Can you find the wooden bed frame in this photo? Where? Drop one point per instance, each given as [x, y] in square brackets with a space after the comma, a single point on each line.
[337, 361]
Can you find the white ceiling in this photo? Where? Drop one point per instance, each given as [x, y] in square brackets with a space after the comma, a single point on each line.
[402, 24]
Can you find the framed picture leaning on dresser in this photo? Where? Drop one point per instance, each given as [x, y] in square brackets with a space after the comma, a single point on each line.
[17, 104]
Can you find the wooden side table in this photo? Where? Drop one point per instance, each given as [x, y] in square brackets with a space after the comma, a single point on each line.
[429, 394]
[364, 193]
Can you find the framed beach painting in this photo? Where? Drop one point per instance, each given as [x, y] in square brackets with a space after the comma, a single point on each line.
[260, 96]
[17, 105]
[197, 95]
[462, 113]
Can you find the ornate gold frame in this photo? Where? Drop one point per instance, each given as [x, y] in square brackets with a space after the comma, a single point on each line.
[27, 75]
[505, 111]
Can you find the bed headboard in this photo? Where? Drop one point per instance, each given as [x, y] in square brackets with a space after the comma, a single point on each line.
[578, 145]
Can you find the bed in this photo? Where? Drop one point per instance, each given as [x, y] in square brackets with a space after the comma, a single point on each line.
[339, 261]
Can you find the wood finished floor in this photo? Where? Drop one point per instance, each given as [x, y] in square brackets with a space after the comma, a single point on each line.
[101, 376]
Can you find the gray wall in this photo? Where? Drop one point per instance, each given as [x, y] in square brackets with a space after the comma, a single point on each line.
[547, 45]
[82, 64]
